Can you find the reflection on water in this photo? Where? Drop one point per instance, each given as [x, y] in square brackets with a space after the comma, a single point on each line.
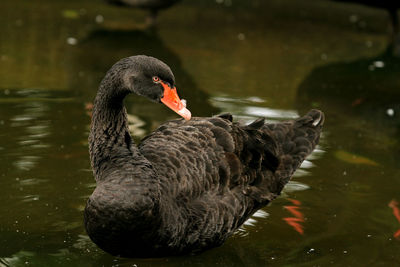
[297, 219]
[361, 97]
[34, 126]
[249, 108]
[17, 259]
[396, 212]
[30, 123]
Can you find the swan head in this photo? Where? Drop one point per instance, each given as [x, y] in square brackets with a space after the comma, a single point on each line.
[150, 77]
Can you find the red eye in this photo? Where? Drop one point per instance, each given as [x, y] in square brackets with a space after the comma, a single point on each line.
[156, 79]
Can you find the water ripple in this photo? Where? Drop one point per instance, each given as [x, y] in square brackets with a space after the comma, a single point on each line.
[29, 125]
[270, 113]
[250, 108]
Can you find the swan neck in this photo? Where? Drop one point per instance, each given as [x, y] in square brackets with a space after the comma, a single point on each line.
[109, 138]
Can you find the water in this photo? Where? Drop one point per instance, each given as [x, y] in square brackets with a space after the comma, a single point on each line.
[250, 58]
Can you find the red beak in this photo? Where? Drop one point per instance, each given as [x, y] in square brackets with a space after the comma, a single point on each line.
[171, 100]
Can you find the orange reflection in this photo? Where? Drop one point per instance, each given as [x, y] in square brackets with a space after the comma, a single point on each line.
[298, 218]
[396, 212]
[89, 108]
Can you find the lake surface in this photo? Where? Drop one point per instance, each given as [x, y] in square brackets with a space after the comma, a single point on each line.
[273, 59]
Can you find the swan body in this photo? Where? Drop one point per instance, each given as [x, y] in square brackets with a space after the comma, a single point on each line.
[191, 183]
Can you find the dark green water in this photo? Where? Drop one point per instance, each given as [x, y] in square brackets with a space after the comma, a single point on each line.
[252, 58]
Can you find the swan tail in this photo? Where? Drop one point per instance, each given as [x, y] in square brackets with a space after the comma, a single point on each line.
[279, 149]
[296, 139]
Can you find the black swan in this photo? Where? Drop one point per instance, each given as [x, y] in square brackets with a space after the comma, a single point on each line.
[192, 182]
[153, 6]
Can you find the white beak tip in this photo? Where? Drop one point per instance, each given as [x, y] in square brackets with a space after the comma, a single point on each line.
[185, 113]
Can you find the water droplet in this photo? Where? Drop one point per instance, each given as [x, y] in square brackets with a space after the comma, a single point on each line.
[311, 250]
[379, 64]
[353, 18]
[241, 36]
[390, 112]
[72, 41]
[99, 19]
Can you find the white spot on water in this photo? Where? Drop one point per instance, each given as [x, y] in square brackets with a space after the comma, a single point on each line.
[255, 99]
[379, 64]
[249, 222]
[99, 19]
[294, 186]
[306, 164]
[390, 112]
[376, 65]
[72, 41]
[260, 214]
[241, 36]
[270, 113]
[353, 18]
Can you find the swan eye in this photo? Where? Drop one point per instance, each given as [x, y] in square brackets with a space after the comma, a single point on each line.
[156, 79]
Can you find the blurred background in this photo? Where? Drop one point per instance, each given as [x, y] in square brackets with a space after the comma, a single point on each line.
[253, 58]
